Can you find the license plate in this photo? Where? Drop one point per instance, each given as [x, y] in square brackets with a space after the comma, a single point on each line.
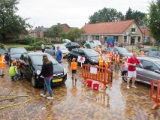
[57, 80]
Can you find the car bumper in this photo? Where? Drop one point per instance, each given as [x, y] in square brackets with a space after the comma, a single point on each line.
[56, 81]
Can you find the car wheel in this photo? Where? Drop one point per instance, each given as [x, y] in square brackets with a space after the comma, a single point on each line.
[124, 75]
[34, 82]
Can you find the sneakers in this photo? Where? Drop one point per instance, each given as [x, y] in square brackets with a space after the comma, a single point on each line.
[50, 98]
[133, 86]
[42, 95]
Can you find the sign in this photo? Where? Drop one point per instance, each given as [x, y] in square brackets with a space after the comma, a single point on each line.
[81, 59]
[93, 70]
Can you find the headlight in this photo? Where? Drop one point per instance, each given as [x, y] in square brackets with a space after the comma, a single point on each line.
[38, 72]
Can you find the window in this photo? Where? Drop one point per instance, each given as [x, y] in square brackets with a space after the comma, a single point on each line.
[149, 65]
[87, 46]
[139, 38]
[80, 52]
[75, 50]
[125, 38]
[133, 30]
[115, 38]
[97, 37]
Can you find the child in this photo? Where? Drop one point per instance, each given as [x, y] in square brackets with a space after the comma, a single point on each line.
[74, 69]
[2, 64]
[13, 72]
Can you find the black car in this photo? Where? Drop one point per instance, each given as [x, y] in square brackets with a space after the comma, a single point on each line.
[14, 53]
[90, 55]
[121, 51]
[31, 65]
[153, 53]
[72, 45]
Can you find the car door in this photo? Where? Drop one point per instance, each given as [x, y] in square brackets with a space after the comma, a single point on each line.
[148, 73]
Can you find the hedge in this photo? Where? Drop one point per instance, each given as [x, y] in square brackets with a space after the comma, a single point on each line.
[32, 48]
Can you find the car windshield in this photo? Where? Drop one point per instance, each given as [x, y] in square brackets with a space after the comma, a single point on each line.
[158, 62]
[37, 59]
[63, 48]
[123, 50]
[93, 45]
[17, 51]
[91, 53]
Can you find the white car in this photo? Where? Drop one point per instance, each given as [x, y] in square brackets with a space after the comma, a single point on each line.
[96, 42]
[66, 40]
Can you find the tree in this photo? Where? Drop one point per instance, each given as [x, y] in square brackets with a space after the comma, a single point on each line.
[106, 15]
[10, 23]
[136, 15]
[74, 34]
[153, 20]
[56, 31]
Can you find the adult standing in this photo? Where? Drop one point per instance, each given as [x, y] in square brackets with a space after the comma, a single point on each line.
[43, 47]
[47, 72]
[132, 61]
[59, 55]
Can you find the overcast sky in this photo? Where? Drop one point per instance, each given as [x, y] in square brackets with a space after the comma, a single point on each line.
[73, 12]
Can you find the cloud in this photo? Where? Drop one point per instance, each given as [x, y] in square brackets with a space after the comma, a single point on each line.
[73, 12]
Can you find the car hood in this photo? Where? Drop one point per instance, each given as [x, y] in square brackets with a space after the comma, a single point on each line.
[17, 56]
[65, 51]
[127, 54]
[57, 68]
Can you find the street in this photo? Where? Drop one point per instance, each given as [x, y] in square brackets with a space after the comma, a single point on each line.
[76, 101]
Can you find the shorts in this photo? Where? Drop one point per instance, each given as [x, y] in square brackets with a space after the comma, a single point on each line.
[132, 74]
[74, 71]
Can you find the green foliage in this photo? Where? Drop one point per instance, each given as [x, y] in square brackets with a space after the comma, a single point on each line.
[106, 15]
[10, 23]
[136, 15]
[153, 19]
[54, 31]
[74, 34]
[32, 48]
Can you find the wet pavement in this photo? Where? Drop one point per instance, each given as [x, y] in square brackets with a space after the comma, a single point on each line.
[75, 101]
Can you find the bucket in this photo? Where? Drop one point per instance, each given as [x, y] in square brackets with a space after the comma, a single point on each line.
[89, 83]
[95, 86]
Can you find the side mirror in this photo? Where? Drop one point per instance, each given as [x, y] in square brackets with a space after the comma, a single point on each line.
[157, 71]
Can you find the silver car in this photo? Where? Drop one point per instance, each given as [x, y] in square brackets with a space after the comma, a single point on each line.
[150, 70]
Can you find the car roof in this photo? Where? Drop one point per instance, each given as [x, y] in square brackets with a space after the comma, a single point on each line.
[153, 59]
[36, 53]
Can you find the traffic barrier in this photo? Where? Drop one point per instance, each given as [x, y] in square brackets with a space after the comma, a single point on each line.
[96, 73]
[156, 96]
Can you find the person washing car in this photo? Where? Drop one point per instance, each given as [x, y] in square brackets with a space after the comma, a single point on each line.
[13, 72]
[132, 61]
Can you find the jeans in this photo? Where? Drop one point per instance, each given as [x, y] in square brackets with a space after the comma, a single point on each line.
[17, 76]
[47, 86]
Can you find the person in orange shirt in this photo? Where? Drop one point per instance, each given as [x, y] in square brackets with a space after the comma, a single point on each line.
[142, 53]
[100, 60]
[106, 64]
[2, 64]
[97, 49]
[74, 69]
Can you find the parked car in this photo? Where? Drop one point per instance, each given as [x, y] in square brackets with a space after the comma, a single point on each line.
[96, 42]
[91, 56]
[150, 70]
[72, 45]
[14, 53]
[89, 45]
[121, 51]
[66, 40]
[153, 53]
[32, 65]
[144, 49]
[52, 50]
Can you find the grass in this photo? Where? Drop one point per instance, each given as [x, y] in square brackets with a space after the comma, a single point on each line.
[16, 45]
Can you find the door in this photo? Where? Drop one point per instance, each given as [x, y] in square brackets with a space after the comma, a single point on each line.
[132, 41]
[148, 73]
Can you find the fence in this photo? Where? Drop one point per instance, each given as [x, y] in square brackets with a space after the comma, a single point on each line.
[96, 73]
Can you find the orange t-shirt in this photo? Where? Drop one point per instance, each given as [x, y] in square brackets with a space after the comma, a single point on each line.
[74, 65]
[100, 59]
[106, 64]
[2, 62]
